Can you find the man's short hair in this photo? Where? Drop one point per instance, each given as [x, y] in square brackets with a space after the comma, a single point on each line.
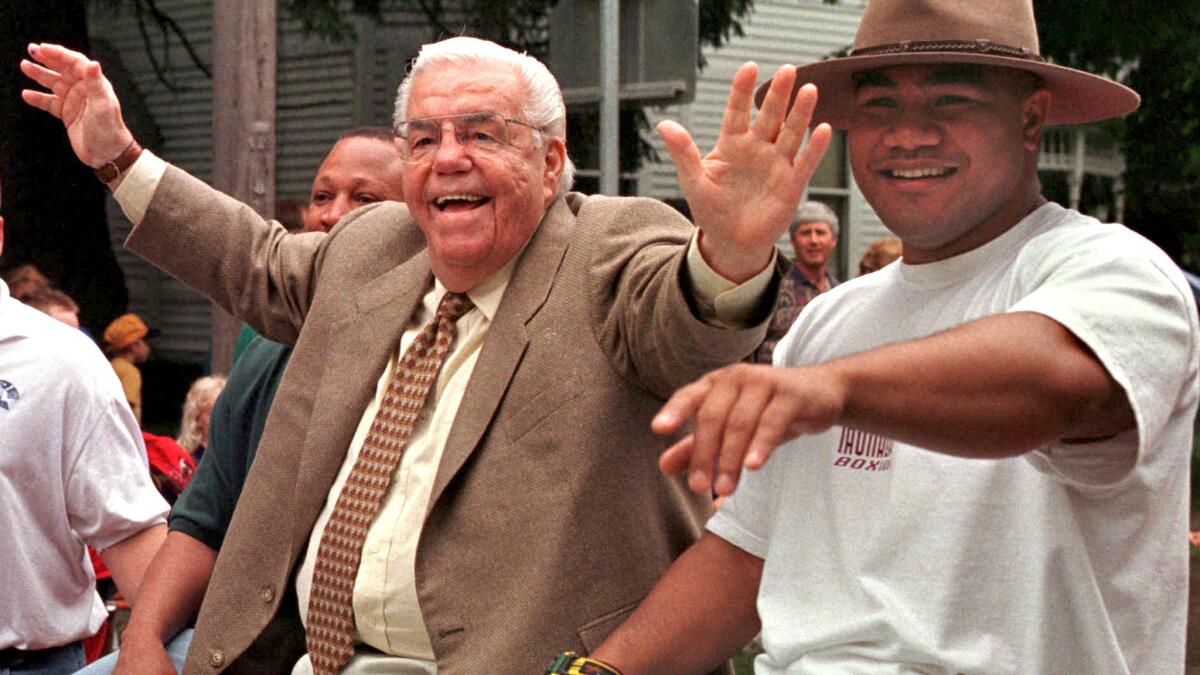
[25, 280]
[46, 299]
[814, 212]
[543, 108]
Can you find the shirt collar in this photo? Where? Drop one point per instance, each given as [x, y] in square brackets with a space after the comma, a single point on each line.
[964, 265]
[487, 294]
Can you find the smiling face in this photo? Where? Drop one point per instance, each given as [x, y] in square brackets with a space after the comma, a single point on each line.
[357, 171]
[478, 210]
[947, 155]
[813, 243]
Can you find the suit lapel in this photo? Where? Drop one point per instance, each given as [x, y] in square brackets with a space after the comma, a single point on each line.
[505, 343]
[360, 345]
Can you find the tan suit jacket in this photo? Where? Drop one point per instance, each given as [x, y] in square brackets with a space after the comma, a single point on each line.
[549, 520]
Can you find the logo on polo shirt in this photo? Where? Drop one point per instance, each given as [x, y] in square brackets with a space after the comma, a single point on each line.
[8, 395]
[863, 451]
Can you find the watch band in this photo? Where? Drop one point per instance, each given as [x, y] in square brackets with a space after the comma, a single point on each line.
[570, 663]
[109, 171]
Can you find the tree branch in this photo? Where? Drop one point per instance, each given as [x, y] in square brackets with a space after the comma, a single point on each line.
[167, 23]
[166, 26]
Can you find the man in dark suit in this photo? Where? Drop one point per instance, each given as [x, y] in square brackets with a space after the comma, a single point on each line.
[525, 513]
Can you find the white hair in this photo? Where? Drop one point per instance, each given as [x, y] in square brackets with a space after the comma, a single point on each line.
[201, 396]
[814, 212]
[543, 107]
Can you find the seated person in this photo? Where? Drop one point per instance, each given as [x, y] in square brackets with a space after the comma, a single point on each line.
[362, 167]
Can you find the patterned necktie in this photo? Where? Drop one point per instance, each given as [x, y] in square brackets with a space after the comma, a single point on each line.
[330, 610]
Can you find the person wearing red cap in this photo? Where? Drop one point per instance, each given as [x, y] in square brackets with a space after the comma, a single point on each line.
[125, 343]
[978, 456]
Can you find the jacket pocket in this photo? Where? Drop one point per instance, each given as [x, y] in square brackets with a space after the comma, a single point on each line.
[537, 409]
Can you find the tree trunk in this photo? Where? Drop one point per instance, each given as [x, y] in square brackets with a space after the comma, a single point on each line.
[53, 206]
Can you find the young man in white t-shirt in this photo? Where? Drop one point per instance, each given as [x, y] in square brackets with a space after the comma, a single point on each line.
[978, 455]
[73, 471]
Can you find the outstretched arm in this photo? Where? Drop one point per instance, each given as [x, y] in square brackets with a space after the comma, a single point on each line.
[700, 613]
[209, 241]
[996, 387]
[78, 94]
[744, 193]
[171, 593]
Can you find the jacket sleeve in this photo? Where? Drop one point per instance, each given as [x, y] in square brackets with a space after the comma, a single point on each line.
[221, 248]
[645, 317]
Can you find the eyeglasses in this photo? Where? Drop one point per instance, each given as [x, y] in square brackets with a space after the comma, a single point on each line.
[483, 133]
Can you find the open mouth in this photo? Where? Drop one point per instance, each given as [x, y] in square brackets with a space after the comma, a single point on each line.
[917, 174]
[461, 202]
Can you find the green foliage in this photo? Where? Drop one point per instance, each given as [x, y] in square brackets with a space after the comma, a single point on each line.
[329, 18]
[743, 664]
[719, 20]
[1110, 34]
[1156, 50]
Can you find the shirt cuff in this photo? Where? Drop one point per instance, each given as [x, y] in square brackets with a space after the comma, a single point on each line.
[135, 192]
[720, 301]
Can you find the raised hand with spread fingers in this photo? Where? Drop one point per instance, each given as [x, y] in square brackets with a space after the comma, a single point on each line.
[744, 193]
[78, 94]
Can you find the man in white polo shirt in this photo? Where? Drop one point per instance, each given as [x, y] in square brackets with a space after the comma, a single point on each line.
[73, 472]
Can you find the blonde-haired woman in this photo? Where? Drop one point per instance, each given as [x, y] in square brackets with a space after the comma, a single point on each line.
[197, 409]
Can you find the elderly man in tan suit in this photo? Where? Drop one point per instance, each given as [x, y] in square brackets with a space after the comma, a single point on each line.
[488, 496]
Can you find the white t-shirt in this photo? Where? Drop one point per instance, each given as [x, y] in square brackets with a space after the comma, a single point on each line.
[73, 471]
[885, 558]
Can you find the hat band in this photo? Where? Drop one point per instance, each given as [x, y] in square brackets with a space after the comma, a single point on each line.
[965, 46]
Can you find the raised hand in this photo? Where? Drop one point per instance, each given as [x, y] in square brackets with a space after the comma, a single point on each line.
[79, 95]
[744, 193]
[742, 413]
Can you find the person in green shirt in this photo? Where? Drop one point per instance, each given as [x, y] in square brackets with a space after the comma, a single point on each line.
[363, 167]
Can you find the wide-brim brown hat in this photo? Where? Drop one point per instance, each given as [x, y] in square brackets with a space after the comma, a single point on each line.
[984, 32]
